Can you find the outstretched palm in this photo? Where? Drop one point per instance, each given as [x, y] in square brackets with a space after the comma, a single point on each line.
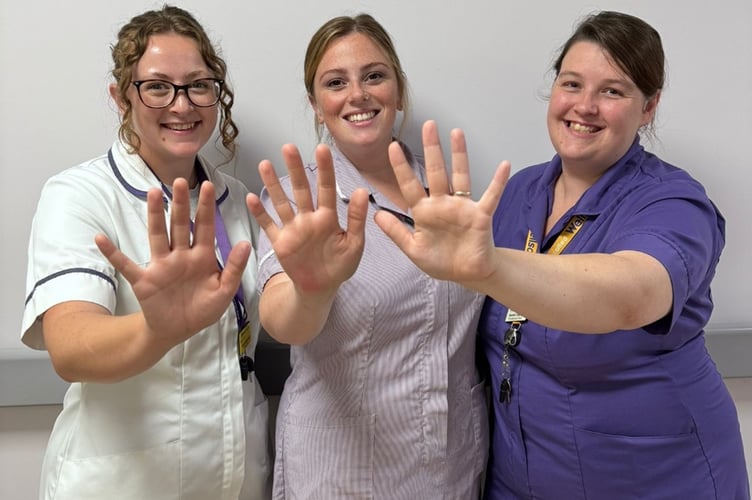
[452, 239]
[182, 290]
[315, 252]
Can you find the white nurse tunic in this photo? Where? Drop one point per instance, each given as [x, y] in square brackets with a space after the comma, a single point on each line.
[188, 427]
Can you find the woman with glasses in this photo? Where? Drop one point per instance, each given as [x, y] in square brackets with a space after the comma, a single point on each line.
[384, 400]
[152, 322]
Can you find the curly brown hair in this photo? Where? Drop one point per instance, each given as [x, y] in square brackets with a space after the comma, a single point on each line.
[132, 40]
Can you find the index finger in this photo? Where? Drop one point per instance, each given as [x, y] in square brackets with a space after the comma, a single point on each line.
[301, 189]
[411, 188]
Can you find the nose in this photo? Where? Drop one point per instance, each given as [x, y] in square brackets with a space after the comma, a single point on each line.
[587, 104]
[358, 92]
[181, 102]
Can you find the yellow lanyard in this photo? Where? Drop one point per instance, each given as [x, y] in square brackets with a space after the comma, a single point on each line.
[513, 335]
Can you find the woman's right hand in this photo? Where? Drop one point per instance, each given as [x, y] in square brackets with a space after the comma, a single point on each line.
[315, 252]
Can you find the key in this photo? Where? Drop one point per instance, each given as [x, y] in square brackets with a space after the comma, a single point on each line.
[505, 391]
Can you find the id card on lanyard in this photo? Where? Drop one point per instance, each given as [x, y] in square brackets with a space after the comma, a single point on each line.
[238, 300]
[513, 334]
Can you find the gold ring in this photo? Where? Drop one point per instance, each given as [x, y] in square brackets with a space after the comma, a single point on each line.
[461, 193]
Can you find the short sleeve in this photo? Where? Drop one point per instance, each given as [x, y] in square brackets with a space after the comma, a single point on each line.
[64, 263]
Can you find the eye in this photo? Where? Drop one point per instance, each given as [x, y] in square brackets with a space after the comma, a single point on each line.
[569, 84]
[201, 84]
[156, 87]
[335, 83]
[374, 77]
[612, 92]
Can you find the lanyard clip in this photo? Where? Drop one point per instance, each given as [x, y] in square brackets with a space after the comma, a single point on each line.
[246, 366]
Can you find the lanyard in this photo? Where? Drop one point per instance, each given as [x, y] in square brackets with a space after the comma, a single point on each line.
[513, 334]
[238, 301]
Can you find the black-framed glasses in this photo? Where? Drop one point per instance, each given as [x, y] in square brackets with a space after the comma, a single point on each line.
[157, 94]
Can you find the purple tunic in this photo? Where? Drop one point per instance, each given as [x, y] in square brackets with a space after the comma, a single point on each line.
[631, 414]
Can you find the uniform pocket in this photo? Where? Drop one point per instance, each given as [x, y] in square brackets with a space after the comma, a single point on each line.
[329, 459]
[150, 473]
[635, 467]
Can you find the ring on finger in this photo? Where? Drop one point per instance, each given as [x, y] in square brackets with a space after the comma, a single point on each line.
[462, 193]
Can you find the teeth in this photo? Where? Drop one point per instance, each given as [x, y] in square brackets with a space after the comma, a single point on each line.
[180, 126]
[578, 127]
[361, 117]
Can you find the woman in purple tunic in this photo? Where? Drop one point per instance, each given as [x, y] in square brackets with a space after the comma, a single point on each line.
[597, 265]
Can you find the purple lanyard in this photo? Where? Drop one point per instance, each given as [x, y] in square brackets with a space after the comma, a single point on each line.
[223, 242]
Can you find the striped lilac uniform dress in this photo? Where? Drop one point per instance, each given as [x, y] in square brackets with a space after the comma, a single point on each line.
[386, 401]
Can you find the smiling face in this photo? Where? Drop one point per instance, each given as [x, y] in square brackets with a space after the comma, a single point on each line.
[356, 95]
[171, 137]
[595, 110]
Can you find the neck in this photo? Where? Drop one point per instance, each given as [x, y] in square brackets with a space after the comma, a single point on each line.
[167, 172]
[568, 190]
[372, 159]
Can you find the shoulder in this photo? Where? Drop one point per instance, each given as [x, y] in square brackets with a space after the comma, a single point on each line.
[88, 177]
[655, 179]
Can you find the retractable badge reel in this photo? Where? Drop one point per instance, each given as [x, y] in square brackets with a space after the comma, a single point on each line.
[512, 338]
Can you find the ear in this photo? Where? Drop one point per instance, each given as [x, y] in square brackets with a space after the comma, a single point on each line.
[113, 88]
[316, 108]
[651, 105]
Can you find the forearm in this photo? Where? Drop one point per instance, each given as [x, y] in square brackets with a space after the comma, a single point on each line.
[585, 293]
[87, 344]
[291, 316]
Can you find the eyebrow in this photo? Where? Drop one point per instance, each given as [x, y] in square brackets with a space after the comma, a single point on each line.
[609, 81]
[366, 67]
[199, 73]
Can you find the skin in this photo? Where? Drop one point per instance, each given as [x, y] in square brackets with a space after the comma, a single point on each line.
[593, 115]
[354, 77]
[453, 237]
[171, 137]
[181, 291]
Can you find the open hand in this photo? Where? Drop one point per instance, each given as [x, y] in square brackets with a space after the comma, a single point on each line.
[452, 239]
[182, 290]
[315, 252]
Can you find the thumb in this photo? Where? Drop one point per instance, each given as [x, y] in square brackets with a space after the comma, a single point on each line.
[234, 267]
[396, 230]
